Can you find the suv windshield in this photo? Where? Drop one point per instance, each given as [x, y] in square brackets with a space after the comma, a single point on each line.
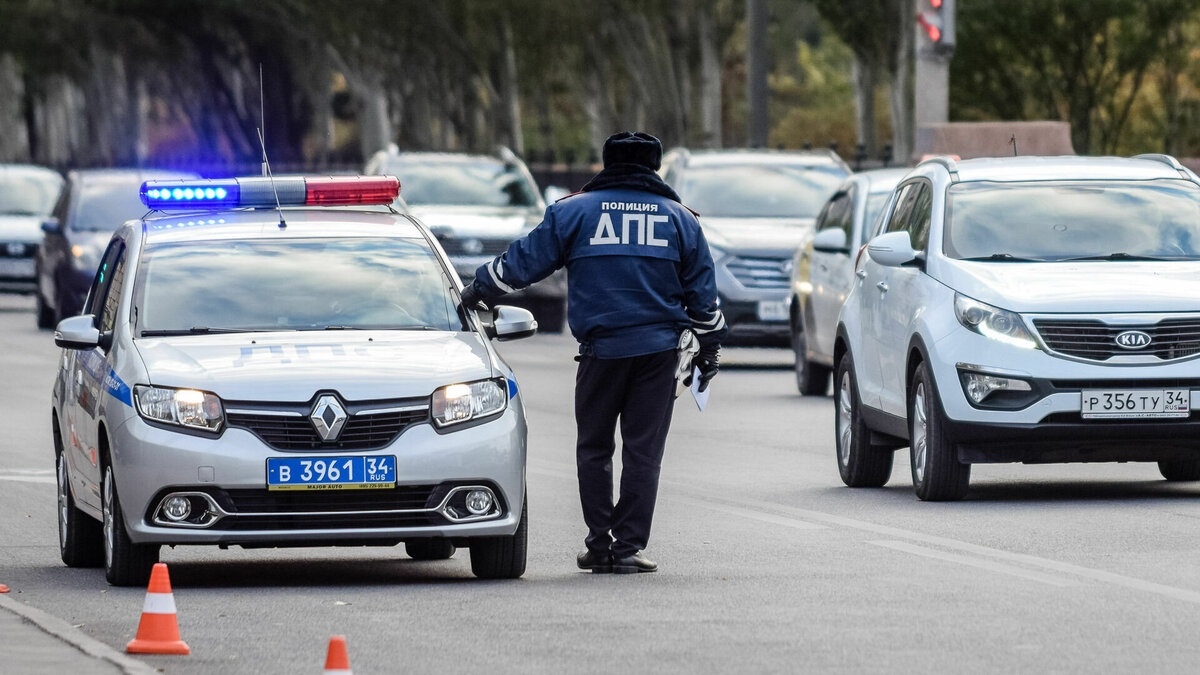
[28, 193]
[294, 284]
[457, 183]
[104, 205]
[760, 190]
[1056, 221]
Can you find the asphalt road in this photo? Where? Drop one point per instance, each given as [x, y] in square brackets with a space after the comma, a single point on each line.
[768, 564]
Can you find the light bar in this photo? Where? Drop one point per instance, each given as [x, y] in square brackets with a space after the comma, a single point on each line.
[261, 192]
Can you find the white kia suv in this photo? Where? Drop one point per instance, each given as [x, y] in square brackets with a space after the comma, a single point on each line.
[1024, 310]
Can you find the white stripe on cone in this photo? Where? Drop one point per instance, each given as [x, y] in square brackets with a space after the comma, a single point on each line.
[159, 603]
[338, 672]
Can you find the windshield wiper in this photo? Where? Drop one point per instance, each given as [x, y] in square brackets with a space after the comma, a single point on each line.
[1002, 257]
[410, 327]
[1113, 256]
[194, 330]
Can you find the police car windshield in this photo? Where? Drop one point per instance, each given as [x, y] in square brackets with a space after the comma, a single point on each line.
[104, 205]
[293, 284]
[27, 194]
[760, 190]
[458, 183]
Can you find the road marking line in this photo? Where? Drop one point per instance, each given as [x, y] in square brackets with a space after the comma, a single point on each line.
[28, 472]
[29, 479]
[76, 638]
[976, 562]
[753, 515]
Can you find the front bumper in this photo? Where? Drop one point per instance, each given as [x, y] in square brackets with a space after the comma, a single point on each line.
[17, 274]
[150, 462]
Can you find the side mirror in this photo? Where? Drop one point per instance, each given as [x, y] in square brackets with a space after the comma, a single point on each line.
[51, 226]
[831, 240]
[554, 193]
[892, 249]
[513, 323]
[77, 332]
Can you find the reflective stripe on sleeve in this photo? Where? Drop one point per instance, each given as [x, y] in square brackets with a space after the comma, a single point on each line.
[715, 324]
[496, 277]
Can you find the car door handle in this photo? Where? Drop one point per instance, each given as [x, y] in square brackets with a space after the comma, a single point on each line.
[861, 274]
[882, 286]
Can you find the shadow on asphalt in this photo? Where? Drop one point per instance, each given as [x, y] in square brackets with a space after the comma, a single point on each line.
[321, 573]
[1041, 492]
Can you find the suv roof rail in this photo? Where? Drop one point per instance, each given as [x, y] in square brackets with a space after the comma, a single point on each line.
[1169, 161]
[945, 161]
[506, 154]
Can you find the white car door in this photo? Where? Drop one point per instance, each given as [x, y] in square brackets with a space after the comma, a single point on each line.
[876, 283]
[830, 279]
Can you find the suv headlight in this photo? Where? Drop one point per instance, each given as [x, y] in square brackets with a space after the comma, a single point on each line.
[458, 403]
[993, 322]
[181, 407]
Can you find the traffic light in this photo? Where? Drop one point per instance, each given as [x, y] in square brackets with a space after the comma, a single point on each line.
[937, 20]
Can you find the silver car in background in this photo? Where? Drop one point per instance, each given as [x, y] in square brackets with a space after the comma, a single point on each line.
[476, 205]
[756, 207]
[27, 195]
[823, 273]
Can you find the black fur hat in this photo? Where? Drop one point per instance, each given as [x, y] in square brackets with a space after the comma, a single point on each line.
[633, 148]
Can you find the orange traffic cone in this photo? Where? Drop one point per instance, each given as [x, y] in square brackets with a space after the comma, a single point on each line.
[337, 661]
[158, 631]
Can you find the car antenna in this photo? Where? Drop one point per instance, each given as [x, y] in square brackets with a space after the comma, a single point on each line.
[266, 165]
[1013, 142]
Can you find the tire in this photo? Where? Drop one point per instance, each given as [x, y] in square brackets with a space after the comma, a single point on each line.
[860, 464]
[1180, 470]
[125, 563]
[812, 379]
[502, 557]
[551, 315]
[46, 318]
[434, 548]
[936, 472]
[80, 537]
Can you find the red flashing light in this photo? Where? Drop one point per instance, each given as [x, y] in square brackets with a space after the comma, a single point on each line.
[350, 190]
[937, 4]
[931, 29]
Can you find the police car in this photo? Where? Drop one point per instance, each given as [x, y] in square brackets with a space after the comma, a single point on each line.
[251, 375]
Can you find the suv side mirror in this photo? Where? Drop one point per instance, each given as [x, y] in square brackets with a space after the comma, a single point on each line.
[77, 332]
[51, 225]
[892, 249]
[512, 323]
[831, 240]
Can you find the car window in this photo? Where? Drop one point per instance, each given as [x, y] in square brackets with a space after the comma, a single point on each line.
[459, 183]
[98, 295]
[919, 217]
[902, 207]
[112, 294]
[759, 190]
[839, 213]
[293, 284]
[104, 205]
[875, 203]
[28, 193]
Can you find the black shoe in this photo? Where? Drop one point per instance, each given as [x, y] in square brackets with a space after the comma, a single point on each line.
[632, 564]
[598, 563]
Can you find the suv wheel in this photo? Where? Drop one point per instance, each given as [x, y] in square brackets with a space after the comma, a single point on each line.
[860, 464]
[812, 379]
[434, 548]
[502, 557]
[1180, 470]
[80, 542]
[936, 472]
[125, 563]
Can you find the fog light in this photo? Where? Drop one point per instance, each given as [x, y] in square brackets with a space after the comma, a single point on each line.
[177, 508]
[980, 386]
[479, 502]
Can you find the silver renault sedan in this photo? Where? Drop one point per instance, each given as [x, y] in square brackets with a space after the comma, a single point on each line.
[270, 377]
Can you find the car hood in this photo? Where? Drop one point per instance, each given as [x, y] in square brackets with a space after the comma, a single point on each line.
[770, 237]
[25, 229]
[1082, 287]
[359, 365]
[484, 222]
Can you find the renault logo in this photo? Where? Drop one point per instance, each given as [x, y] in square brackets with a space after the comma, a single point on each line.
[328, 417]
[1133, 339]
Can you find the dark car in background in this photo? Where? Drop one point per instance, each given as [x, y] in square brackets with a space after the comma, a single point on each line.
[756, 208]
[27, 194]
[93, 203]
[477, 205]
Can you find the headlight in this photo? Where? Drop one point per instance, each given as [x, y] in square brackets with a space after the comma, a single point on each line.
[458, 403]
[182, 407]
[85, 258]
[998, 324]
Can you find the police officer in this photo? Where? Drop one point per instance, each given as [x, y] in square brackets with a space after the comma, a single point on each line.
[639, 274]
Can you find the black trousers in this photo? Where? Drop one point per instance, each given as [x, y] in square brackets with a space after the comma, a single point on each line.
[640, 391]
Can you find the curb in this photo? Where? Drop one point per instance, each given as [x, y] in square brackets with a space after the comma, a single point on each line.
[76, 638]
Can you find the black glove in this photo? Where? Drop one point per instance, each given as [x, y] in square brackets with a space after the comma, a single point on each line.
[471, 299]
[706, 362]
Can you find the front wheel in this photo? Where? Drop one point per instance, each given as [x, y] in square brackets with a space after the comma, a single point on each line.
[80, 542]
[125, 563]
[936, 472]
[812, 379]
[1180, 470]
[860, 464]
[502, 557]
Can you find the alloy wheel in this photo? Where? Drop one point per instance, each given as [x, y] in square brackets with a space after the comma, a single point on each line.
[109, 498]
[845, 411]
[63, 505]
[919, 432]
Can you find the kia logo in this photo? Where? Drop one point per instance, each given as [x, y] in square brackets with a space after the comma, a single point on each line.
[1132, 339]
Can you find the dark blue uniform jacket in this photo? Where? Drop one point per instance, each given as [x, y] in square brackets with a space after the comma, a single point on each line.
[638, 271]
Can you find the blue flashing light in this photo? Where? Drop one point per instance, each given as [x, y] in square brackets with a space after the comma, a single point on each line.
[190, 194]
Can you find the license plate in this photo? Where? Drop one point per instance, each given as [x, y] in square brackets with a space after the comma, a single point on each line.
[773, 310]
[16, 267]
[1135, 403]
[331, 473]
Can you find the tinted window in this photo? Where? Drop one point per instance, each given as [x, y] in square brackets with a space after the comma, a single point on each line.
[875, 204]
[104, 205]
[918, 219]
[294, 284]
[1054, 221]
[28, 193]
[760, 191]
[903, 207]
[839, 213]
[112, 296]
[98, 295]
[455, 183]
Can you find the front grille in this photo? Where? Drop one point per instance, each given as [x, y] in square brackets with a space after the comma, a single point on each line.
[297, 501]
[17, 250]
[362, 431]
[1096, 340]
[455, 246]
[762, 273]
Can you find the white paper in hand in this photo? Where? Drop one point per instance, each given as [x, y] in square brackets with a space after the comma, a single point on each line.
[700, 396]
